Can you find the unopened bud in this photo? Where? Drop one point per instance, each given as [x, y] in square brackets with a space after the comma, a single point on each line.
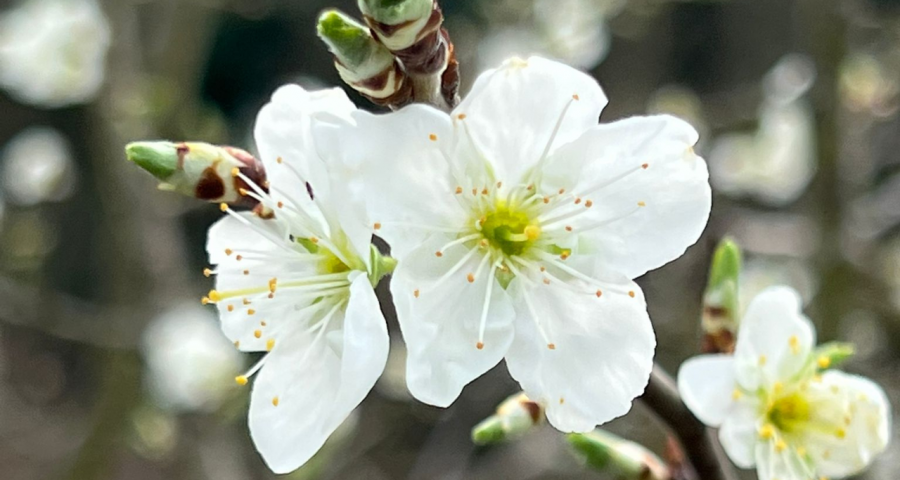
[363, 63]
[200, 170]
[381, 265]
[617, 457]
[720, 301]
[514, 418]
[398, 23]
[830, 355]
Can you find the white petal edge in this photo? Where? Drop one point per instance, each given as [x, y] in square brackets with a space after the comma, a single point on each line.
[706, 384]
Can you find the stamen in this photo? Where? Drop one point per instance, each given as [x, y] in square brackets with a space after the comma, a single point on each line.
[487, 302]
[458, 241]
[243, 379]
[543, 158]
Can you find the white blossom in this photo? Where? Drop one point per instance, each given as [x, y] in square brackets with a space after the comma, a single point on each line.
[37, 167]
[190, 365]
[776, 410]
[297, 287]
[519, 224]
[53, 52]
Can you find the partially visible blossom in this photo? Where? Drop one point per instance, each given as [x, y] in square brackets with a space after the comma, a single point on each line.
[37, 167]
[296, 287]
[519, 224]
[53, 52]
[190, 366]
[775, 163]
[778, 407]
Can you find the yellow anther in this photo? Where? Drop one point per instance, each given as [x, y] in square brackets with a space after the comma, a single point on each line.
[377, 226]
[471, 278]
[642, 204]
[474, 191]
[243, 192]
[576, 97]
[275, 402]
[270, 344]
[214, 296]
[737, 394]
[781, 445]
[439, 254]
[432, 137]
[204, 300]
[546, 281]
[631, 294]
[568, 228]
[273, 285]
[251, 312]
[239, 257]
[840, 433]
[479, 345]
[484, 191]
[599, 293]
[766, 432]
[280, 204]
[801, 451]
[532, 232]
[461, 116]
[228, 251]
[207, 272]
[645, 166]
[499, 185]
[237, 344]
[823, 362]
[279, 160]
[416, 293]
[235, 172]
[246, 272]
[314, 240]
[794, 342]
[778, 387]
[562, 191]
[223, 207]
[245, 301]
[241, 380]
[577, 200]
[257, 334]
[230, 308]
[562, 400]
[551, 346]
[763, 360]
[588, 204]
[546, 199]
[459, 190]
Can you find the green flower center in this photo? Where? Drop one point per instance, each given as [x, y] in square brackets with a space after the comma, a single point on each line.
[789, 413]
[511, 232]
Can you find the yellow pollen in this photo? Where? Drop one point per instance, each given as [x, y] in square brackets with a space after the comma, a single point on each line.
[823, 362]
[562, 400]
[223, 207]
[565, 254]
[273, 285]
[546, 199]
[251, 311]
[214, 296]
[781, 445]
[228, 251]
[243, 192]
[245, 301]
[763, 360]
[416, 293]
[642, 204]
[794, 343]
[631, 294]
[461, 116]
[275, 402]
[551, 346]
[479, 345]
[532, 232]
[207, 272]
[270, 344]
[471, 278]
[241, 380]
[599, 293]
[459, 190]
[235, 172]
[736, 394]
[840, 433]
[588, 204]
[204, 300]
[432, 137]
[237, 344]
[377, 226]
[257, 334]
[231, 308]
[766, 432]
[314, 240]
[279, 160]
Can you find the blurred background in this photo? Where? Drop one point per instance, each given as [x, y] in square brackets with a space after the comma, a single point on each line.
[111, 368]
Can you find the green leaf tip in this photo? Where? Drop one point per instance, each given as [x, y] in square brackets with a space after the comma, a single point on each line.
[726, 263]
[348, 40]
[489, 432]
[160, 159]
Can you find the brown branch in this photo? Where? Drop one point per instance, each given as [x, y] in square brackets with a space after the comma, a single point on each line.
[699, 442]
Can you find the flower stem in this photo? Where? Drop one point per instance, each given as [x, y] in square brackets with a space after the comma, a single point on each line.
[698, 441]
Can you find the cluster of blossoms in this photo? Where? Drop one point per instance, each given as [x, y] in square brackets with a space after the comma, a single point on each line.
[517, 226]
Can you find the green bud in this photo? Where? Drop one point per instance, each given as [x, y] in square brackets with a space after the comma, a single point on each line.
[350, 41]
[830, 355]
[515, 417]
[720, 301]
[395, 12]
[200, 170]
[621, 459]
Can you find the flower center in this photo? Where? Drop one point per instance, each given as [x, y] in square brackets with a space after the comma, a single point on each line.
[509, 231]
[789, 413]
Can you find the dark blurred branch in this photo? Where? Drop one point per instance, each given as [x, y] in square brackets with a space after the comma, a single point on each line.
[699, 442]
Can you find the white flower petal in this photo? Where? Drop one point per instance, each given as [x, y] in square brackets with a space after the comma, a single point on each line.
[513, 111]
[650, 192]
[707, 384]
[775, 339]
[395, 164]
[317, 384]
[440, 319]
[602, 351]
[284, 137]
[774, 461]
[739, 432]
[854, 418]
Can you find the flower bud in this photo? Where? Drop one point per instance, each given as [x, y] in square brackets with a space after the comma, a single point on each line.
[200, 170]
[622, 459]
[514, 418]
[399, 24]
[720, 301]
[381, 265]
[362, 62]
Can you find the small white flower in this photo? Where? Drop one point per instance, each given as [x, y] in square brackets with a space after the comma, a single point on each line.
[37, 167]
[296, 286]
[53, 52]
[774, 410]
[518, 223]
[189, 364]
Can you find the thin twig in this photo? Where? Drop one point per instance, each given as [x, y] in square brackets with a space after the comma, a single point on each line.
[699, 442]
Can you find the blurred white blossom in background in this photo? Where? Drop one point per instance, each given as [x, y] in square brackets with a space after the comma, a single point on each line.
[190, 364]
[572, 31]
[774, 164]
[37, 167]
[53, 52]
